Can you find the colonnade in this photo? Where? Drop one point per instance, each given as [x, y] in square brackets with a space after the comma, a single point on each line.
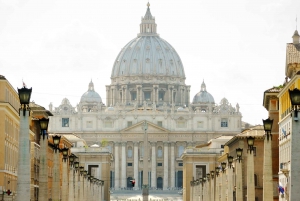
[168, 159]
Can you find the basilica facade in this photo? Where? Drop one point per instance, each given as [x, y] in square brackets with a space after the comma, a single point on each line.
[147, 85]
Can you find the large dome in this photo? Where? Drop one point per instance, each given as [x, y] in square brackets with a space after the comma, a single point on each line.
[203, 96]
[148, 54]
[91, 96]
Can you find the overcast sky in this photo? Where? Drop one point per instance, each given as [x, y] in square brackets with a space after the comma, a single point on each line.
[236, 46]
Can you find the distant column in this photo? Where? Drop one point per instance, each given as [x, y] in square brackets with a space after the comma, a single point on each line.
[172, 165]
[153, 165]
[166, 166]
[123, 166]
[250, 177]
[136, 164]
[117, 168]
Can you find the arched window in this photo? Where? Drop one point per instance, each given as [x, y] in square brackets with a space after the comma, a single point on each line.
[180, 150]
[159, 152]
[129, 152]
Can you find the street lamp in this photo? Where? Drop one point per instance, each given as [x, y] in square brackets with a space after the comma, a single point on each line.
[44, 126]
[217, 171]
[56, 140]
[239, 153]
[24, 96]
[295, 101]
[81, 170]
[250, 141]
[208, 176]
[212, 173]
[65, 152]
[230, 161]
[76, 165]
[268, 127]
[223, 165]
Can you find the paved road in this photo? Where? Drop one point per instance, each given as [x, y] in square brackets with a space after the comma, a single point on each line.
[154, 195]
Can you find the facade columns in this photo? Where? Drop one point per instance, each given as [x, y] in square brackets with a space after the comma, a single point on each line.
[172, 165]
[153, 165]
[117, 168]
[123, 166]
[112, 98]
[155, 94]
[188, 94]
[267, 170]
[136, 164]
[166, 166]
[107, 95]
[250, 177]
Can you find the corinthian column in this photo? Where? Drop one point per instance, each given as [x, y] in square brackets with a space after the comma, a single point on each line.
[153, 165]
[136, 164]
[123, 166]
[117, 168]
[172, 165]
[166, 165]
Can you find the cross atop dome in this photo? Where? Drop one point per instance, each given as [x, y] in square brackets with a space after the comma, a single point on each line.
[203, 86]
[91, 86]
[148, 25]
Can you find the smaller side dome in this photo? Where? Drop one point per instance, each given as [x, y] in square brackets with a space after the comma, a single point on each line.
[91, 96]
[203, 96]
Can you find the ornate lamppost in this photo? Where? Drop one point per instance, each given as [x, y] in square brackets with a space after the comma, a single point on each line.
[208, 191]
[24, 180]
[223, 181]
[212, 185]
[250, 170]
[56, 169]
[43, 168]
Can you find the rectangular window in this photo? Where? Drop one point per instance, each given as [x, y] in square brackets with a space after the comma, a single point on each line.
[159, 164]
[65, 122]
[222, 146]
[161, 95]
[200, 124]
[224, 122]
[108, 124]
[129, 164]
[129, 123]
[147, 95]
[180, 164]
[89, 124]
[159, 123]
[181, 124]
[133, 95]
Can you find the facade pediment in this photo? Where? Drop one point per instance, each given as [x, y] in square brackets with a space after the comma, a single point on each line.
[138, 128]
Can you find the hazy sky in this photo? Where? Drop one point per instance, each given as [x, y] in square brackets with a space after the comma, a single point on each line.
[236, 46]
